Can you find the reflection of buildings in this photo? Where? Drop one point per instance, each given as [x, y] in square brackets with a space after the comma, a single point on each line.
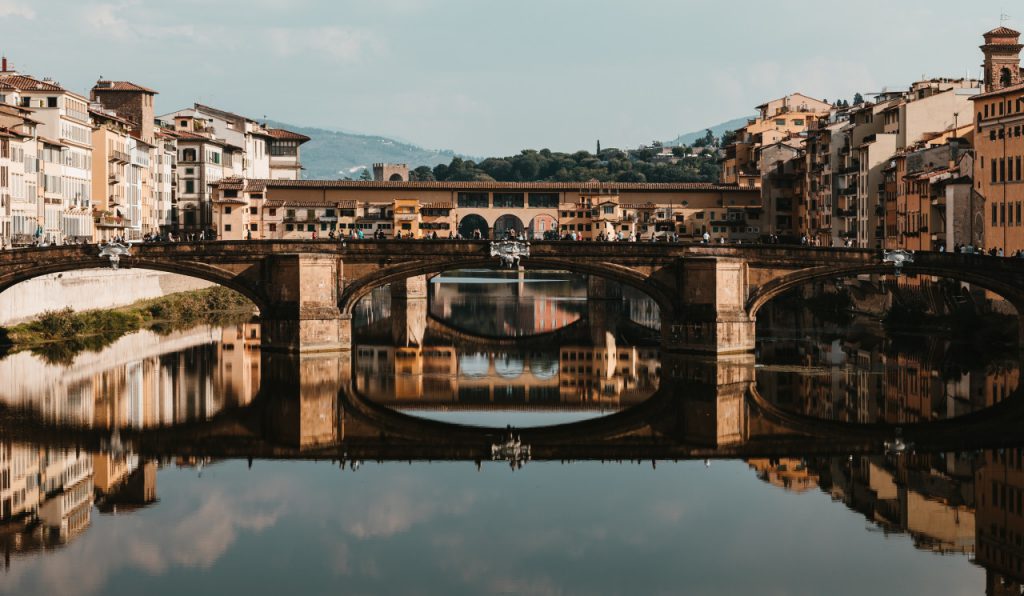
[46, 497]
[449, 377]
[947, 503]
[788, 473]
[1000, 489]
[142, 380]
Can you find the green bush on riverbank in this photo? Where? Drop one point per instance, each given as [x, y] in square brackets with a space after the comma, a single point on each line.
[60, 334]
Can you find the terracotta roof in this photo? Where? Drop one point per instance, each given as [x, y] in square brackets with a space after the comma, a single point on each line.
[999, 31]
[26, 83]
[1010, 89]
[273, 204]
[121, 86]
[50, 141]
[438, 206]
[455, 186]
[287, 135]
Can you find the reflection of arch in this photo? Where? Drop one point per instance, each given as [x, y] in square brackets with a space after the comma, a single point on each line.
[396, 178]
[507, 223]
[446, 330]
[508, 366]
[470, 224]
[474, 365]
[543, 369]
[542, 224]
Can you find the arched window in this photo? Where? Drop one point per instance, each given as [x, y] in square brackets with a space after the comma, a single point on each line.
[1005, 78]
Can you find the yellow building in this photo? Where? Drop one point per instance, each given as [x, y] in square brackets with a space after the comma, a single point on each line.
[999, 141]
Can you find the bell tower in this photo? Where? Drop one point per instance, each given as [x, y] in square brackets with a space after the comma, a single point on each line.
[1002, 58]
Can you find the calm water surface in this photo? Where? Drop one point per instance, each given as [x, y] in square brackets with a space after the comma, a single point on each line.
[194, 463]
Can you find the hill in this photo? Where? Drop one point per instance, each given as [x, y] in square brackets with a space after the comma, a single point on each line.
[718, 130]
[335, 154]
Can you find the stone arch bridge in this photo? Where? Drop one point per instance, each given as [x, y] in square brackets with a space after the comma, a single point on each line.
[709, 296]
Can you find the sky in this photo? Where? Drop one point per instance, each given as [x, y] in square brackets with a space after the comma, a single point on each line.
[486, 77]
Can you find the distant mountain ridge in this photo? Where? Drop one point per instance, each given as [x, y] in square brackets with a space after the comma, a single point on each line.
[718, 130]
[334, 154]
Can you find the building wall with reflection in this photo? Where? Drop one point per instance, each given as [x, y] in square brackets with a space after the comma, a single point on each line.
[142, 380]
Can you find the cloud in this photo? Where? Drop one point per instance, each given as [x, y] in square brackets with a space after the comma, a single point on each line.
[10, 8]
[338, 44]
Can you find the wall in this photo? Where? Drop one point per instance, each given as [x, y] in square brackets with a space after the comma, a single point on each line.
[89, 289]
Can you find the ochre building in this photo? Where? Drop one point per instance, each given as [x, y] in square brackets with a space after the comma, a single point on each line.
[305, 209]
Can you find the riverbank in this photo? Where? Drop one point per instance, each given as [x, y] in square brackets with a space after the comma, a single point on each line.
[58, 335]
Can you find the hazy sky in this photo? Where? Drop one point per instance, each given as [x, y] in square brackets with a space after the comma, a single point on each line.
[488, 77]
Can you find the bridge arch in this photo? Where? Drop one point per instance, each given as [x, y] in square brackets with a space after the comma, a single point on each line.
[508, 223]
[472, 224]
[85, 261]
[1009, 291]
[355, 291]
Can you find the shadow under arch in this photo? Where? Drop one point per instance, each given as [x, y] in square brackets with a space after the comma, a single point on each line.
[445, 330]
[201, 271]
[1011, 292]
[650, 286]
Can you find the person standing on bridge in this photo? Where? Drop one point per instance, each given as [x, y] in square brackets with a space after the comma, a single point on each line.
[706, 238]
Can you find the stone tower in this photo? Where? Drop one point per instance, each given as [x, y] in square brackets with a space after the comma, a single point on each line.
[131, 102]
[391, 172]
[1002, 58]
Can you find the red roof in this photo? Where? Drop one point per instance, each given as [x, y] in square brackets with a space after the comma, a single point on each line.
[25, 83]
[539, 186]
[287, 135]
[1002, 31]
[121, 86]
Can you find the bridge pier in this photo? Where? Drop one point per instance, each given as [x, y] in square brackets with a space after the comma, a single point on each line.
[302, 392]
[408, 321]
[304, 315]
[712, 394]
[711, 316]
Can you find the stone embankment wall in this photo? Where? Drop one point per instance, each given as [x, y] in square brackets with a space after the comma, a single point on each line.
[89, 289]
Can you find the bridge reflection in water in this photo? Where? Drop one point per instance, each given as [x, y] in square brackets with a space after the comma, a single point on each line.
[915, 445]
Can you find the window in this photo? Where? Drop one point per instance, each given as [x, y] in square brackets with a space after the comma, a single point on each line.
[543, 199]
[798, 122]
[311, 228]
[252, 211]
[290, 214]
[51, 102]
[473, 199]
[254, 227]
[272, 227]
[608, 209]
[227, 211]
[780, 122]
[273, 212]
[227, 227]
[188, 155]
[508, 199]
[310, 213]
[215, 157]
[230, 194]
[323, 227]
[288, 227]
[995, 215]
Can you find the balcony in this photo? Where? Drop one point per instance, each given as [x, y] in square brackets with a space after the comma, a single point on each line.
[846, 213]
[118, 157]
[405, 216]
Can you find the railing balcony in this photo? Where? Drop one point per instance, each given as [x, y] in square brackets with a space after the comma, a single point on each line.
[405, 217]
[119, 157]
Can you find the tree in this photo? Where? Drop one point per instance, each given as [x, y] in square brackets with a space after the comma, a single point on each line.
[709, 137]
[422, 173]
[365, 175]
[858, 99]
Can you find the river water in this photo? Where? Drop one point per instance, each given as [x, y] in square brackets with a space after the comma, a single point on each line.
[506, 435]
